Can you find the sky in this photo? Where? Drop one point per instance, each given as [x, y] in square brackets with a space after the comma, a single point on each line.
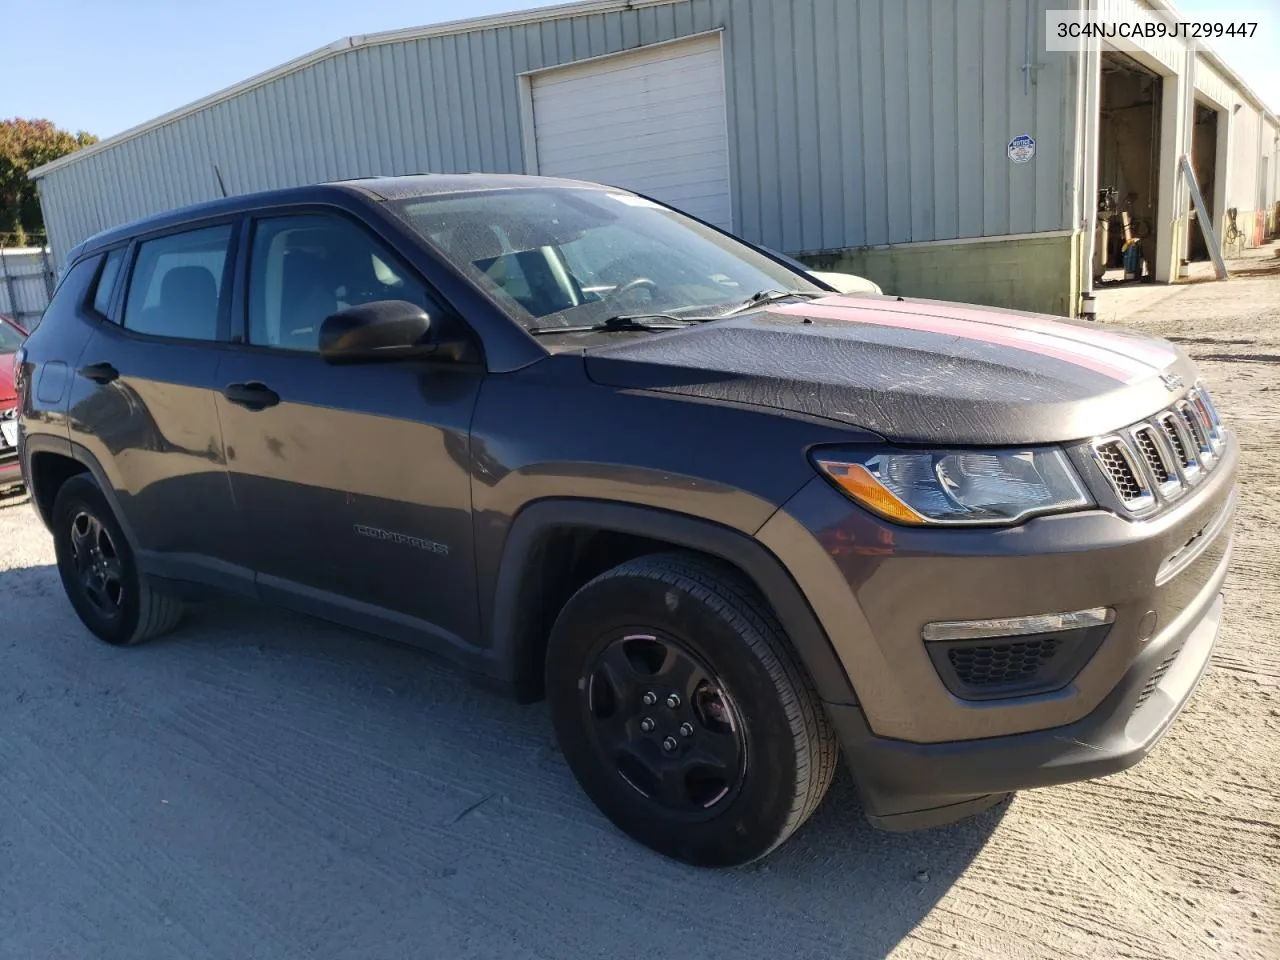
[115, 65]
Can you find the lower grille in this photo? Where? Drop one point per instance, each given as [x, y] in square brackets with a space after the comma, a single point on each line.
[1002, 663]
[1154, 680]
[1000, 667]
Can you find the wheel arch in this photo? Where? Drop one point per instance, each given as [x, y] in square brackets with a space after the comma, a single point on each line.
[51, 461]
[554, 546]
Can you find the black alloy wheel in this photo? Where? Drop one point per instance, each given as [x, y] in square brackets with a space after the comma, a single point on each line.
[684, 711]
[665, 721]
[97, 564]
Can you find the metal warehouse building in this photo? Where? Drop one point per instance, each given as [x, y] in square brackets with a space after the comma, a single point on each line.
[932, 145]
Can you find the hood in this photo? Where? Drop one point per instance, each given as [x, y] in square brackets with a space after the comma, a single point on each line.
[8, 395]
[913, 371]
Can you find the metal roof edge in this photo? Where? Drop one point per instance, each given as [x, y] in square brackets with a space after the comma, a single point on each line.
[512, 18]
[1237, 81]
[1218, 63]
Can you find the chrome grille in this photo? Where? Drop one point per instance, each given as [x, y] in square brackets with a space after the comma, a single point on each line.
[1158, 460]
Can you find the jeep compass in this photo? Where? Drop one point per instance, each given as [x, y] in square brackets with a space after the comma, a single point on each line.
[728, 522]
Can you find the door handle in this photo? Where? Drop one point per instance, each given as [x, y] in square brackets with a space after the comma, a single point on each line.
[99, 372]
[252, 395]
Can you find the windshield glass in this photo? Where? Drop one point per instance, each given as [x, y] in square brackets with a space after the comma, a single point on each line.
[568, 257]
[10, 337]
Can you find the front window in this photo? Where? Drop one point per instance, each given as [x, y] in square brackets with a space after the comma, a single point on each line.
[564, 257]
[305, 268]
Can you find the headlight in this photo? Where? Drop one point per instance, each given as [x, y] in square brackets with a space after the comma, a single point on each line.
[993, 487]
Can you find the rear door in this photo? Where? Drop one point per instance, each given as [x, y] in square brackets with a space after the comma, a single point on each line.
[143, 400]
[352, 480]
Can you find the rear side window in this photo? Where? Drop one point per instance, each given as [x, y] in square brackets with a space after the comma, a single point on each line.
[107, 283]
[176, 286]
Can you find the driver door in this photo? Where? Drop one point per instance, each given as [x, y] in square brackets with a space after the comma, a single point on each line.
[353, 479]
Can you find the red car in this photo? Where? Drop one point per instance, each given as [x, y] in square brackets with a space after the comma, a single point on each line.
[12, 337]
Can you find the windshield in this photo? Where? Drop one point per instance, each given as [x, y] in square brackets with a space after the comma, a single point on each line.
[571, 257]
[10, 337]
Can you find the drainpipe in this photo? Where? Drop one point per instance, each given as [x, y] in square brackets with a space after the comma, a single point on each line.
[1091, 60]
[1028, 52]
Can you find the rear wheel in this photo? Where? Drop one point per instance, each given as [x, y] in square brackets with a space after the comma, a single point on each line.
[99, 572]
[684, 713]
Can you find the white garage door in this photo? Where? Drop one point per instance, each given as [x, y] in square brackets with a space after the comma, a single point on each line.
[652, 121]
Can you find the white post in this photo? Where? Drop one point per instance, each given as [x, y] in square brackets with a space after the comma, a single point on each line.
[1091, 57]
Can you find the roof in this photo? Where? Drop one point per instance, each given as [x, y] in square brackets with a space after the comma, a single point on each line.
[430, 184]
[515, 18]
[375, 188]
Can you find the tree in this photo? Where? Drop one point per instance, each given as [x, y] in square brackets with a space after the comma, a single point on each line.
[25, 145]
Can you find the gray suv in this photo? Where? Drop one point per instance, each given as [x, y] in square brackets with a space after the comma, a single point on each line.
[728, 522]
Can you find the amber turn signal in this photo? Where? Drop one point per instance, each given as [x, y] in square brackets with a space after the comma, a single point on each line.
[857, 481]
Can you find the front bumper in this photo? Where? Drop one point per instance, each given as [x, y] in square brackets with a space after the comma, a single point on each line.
[907, 786]
[924, 756]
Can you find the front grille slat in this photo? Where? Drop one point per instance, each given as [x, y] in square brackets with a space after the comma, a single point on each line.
[1151, 453]
[1193, 423]
[1117, 462]
[1180, 446]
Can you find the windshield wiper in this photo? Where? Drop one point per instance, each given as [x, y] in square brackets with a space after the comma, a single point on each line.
[620, 324]
[770, 296]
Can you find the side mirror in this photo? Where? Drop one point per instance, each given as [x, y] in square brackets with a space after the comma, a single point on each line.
[378, 332]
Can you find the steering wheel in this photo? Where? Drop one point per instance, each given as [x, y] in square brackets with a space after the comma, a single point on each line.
[635, 284]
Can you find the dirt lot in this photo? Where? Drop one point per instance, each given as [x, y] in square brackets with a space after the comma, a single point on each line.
[263, 786]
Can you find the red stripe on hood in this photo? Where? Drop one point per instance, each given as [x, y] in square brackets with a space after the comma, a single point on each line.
[1099, 360]
[1143, 349]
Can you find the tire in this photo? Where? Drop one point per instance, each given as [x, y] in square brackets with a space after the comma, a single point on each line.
[638, 621]
[99, 572]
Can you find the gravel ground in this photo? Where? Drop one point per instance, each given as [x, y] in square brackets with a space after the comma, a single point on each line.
[264, 786]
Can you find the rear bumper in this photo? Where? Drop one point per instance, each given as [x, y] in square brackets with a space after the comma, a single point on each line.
[908, 786]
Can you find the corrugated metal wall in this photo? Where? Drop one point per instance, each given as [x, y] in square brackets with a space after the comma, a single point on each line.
[852, 122]
[26, 283]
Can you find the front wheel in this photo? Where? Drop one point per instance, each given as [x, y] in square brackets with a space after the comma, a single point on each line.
[684, 713]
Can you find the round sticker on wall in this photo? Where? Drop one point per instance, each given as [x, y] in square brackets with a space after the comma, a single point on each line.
[1022, 148]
